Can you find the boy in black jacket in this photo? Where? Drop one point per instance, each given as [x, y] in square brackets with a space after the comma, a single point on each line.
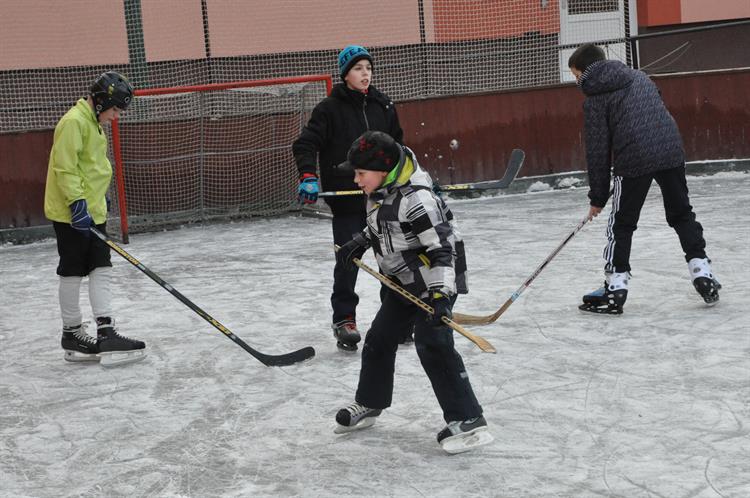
[353, 107]
[630, 134]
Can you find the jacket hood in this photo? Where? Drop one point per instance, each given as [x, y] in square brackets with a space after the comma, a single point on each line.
[407, 173]
[605, 76]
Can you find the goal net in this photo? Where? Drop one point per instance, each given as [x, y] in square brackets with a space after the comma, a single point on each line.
[205, 152]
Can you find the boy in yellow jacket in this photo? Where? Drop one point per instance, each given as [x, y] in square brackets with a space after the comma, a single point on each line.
[78, 178]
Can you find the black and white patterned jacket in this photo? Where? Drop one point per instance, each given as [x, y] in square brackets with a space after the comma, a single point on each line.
[629, 131]
[414, 235]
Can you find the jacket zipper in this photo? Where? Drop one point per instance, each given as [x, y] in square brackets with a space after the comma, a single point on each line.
[364, 113]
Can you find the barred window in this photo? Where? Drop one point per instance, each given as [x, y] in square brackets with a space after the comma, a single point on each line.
[576, 7]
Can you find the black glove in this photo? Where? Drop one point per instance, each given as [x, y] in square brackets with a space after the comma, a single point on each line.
[355, 248]
[441, 304]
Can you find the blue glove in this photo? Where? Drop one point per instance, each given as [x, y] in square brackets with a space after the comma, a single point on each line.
[441, 304]
[308, 189]
[80, 218]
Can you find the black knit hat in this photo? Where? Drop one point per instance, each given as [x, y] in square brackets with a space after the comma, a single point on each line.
[375, 151]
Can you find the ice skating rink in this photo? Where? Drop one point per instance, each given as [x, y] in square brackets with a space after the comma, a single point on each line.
[654, 403]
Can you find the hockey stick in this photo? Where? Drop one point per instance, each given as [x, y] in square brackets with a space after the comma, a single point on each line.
[483, 344]
[515, 162]
[485, 320]
[266, 359]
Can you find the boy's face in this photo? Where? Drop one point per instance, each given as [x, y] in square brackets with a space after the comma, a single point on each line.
[106, 117]
[359, 76]
[369, 180]
[576, 73]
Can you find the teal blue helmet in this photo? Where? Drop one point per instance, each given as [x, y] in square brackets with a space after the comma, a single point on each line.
[349, 56]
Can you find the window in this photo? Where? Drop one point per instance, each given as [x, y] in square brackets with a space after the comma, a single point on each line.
[576, 7]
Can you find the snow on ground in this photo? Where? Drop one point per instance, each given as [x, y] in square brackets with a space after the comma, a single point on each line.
[652, 403]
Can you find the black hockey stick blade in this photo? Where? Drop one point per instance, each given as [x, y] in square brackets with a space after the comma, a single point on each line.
[511, 171]
[269, 360]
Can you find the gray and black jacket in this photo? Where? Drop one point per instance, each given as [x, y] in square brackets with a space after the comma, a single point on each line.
[629, 131]
[414, 235]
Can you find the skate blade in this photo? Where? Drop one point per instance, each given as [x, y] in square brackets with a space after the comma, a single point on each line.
[346, 347]
[364, 424]
[467, 441]
[601, 311]
[78, 357]
[117, 358]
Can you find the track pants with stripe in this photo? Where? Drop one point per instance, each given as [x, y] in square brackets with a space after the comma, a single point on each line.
[628, 197]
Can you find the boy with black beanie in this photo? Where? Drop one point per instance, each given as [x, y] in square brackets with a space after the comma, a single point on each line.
[416, 244]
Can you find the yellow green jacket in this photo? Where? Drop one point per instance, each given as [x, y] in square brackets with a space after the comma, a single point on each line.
[78, 166]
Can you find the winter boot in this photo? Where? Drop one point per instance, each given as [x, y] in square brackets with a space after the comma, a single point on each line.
[78, 345]
[355, 417]
[464, 435]
[703, 280]
[346, 334]
[115, 349]
[610, 298]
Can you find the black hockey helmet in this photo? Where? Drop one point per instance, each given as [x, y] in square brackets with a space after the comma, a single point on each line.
[109, 90]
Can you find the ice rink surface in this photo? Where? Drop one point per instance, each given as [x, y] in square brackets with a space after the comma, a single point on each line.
[653, 403]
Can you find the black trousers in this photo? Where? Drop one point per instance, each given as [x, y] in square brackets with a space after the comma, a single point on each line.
[344, 299]
[435, 347]
[628, 197]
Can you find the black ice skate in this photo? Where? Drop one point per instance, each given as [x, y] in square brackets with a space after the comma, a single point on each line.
[115, 349]
[346, 334]
[603, 301]
[703, 280]
[708, 288]
[610, 298]
[464, 435]
[355, 417]
[78, 345]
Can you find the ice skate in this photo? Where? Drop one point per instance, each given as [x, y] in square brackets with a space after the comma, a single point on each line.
[464, 435]
[115, 349]
[78, 345]
[346, 334]
[704, 281]
[610, 298]
[355, 417]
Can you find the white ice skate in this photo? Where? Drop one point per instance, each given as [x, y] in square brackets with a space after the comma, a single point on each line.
[704, 281]
[355, 417]
[464, 435]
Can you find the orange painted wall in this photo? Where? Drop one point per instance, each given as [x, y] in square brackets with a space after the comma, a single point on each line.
[702, 10]
[50, 33]
[668, 12]
[477, 19]
[658, 12]
[255, 27]
[172, 29]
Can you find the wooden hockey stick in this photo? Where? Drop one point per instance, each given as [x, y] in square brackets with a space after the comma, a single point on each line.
[486, 320]
[267, 359]
[483, 344]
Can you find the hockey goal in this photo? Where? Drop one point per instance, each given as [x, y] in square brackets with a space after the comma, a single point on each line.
[215, 151]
